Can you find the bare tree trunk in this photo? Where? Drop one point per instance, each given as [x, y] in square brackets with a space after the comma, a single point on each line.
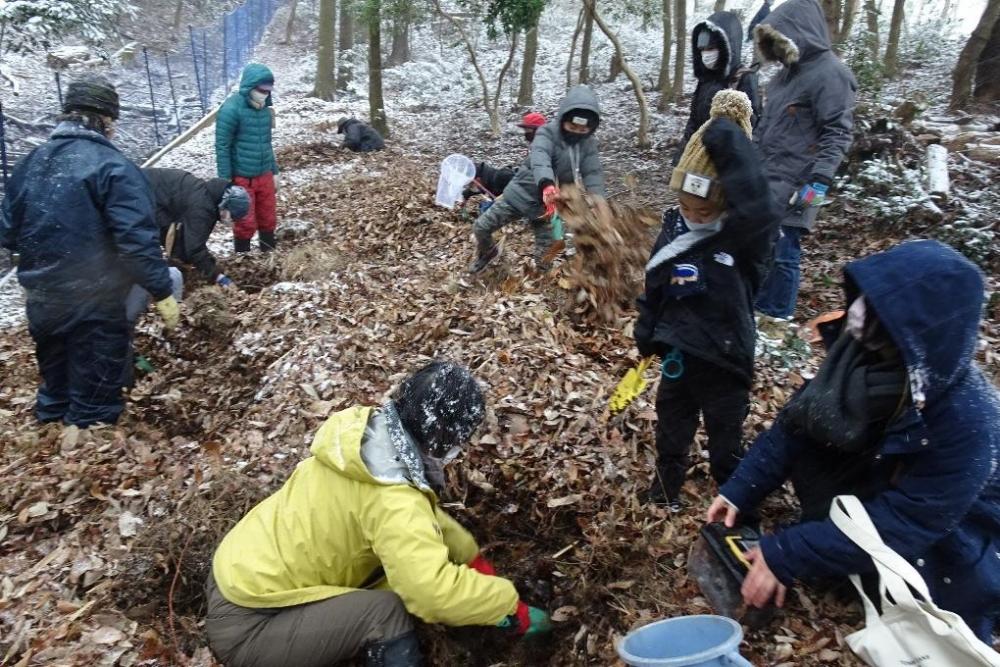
[588, 38]
[572, 48]
[680, 33]
[640, 95]
[663, 83]
[495, 112]
[526, 89]
[847, 20]
[400, 52]
[720, 6]
[831, 10]
[178, 15]
[892, 46]
[988, 69]
[968, 59]
[871, 30]
[376, 103]
[290, 26]
[616, 67]
[326, 58]
[344, 44]
[490, 108]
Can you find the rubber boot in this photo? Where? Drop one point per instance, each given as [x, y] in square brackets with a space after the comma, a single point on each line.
[403, 651]
[241, 245]
[267, 241]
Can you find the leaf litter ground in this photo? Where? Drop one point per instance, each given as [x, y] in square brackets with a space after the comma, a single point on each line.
[106, 535]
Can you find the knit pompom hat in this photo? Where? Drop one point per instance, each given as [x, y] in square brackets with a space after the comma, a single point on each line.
[695, 167]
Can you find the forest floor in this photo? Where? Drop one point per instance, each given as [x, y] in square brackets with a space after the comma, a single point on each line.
[106, 534]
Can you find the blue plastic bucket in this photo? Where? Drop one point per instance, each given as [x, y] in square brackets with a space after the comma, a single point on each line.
[685, 641]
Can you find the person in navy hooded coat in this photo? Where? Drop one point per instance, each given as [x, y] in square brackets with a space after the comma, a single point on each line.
[82, 218]
[900, 416]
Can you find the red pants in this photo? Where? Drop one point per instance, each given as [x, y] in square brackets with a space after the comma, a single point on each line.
[262, 215]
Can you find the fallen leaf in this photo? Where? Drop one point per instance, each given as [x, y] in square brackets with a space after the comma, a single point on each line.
[564, 613]
[107, 635]
[128, 524]
[565, 500]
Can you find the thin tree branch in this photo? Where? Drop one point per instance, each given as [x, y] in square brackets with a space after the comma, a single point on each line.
[640, 95]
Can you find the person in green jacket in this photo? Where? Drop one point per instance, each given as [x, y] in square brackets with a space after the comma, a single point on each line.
[245, 157]
[337, 562]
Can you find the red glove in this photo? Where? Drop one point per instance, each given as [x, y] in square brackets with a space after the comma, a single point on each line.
[523, 615]
[549, 197]
[482, 566]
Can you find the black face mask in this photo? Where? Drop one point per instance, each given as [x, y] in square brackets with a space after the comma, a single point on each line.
[573, 138]
[529, 136]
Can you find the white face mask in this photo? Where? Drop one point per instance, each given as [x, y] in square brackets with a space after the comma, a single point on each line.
[713, 226]
[710, 58]
[856, 319]
[258, 97]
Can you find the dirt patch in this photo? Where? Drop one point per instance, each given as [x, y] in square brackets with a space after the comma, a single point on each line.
[312, 262]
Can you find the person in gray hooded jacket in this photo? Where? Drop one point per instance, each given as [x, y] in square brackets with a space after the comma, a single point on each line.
[564, 151]
[803, 135]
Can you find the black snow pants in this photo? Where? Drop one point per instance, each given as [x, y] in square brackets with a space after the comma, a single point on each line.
[82, 360]
[702, 390]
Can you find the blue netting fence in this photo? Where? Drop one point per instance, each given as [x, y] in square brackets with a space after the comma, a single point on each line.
[162, 93]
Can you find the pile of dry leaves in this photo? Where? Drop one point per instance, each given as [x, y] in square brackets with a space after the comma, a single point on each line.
[612, 244]
[106, 535]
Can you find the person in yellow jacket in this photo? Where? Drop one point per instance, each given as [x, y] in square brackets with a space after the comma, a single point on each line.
[336, 563]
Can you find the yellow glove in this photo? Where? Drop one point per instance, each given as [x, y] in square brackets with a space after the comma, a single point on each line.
[169, 311]
[630, 387]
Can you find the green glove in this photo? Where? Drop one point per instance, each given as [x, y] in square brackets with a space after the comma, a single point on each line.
[527, 621]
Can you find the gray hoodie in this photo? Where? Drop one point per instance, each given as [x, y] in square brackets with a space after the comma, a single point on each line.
[552, 159]
[806, 127]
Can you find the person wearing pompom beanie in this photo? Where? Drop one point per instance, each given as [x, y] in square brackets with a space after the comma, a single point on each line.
[696, 313]
[337, 562]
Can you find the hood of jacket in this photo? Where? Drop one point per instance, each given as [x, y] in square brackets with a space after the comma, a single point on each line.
[346, 124]
[794, 32]
[255, 74]
[216, 188]
[930, 300]
[579, 97]
[370, 445]
[728, 31]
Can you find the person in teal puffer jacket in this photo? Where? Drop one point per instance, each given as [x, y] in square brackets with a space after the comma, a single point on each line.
[244, 154]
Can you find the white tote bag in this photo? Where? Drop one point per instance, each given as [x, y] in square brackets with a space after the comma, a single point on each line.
[912, 631]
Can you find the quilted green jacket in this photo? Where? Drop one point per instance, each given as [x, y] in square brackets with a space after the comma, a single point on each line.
[243, 133]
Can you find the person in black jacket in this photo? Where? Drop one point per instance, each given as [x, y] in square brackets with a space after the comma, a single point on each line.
[697, 310]
[716, 45]
[359, 137]
[187, 210]
[81, 216]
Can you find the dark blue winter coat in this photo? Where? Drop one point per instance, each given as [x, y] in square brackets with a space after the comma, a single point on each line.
[940, 507]
[82, 218]
[361, 137]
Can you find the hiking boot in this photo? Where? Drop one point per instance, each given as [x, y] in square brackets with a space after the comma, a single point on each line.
[241, 245]
[485, 259]
[267, 241]
[402, 651]
[658, 496]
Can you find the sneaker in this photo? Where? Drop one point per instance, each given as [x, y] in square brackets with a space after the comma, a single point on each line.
[485, 259]
[657, 495]
[775, 328]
